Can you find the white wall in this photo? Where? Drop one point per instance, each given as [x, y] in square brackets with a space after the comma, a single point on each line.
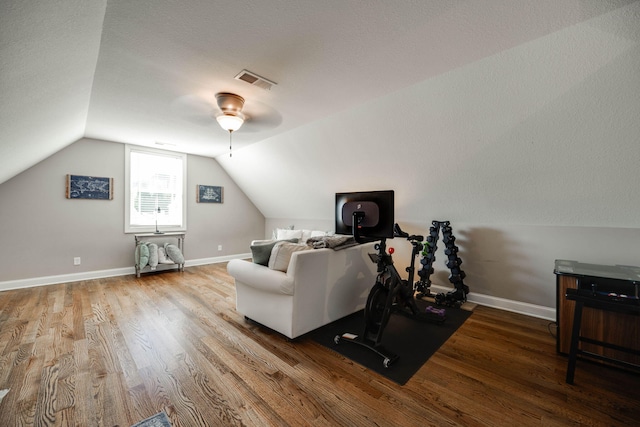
[42, 231]
[531, 153]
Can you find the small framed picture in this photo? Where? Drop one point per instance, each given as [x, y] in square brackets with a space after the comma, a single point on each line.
[89, 187]
[209, 194]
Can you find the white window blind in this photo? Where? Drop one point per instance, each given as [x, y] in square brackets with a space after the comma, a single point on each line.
[156, 190]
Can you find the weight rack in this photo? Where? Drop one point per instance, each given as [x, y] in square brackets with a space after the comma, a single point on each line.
[452, 298]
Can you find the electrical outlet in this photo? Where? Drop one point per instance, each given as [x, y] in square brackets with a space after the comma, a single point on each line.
[219, 247]
[76, 260]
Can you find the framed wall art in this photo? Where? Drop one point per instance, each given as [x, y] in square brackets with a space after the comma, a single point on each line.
[89, 187]
[209, 194]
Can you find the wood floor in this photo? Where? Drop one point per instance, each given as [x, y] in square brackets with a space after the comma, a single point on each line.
[114, 351]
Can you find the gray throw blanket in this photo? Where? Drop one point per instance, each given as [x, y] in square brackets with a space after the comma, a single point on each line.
[332, 242]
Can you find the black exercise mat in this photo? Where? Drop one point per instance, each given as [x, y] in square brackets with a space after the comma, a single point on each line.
[413, 341]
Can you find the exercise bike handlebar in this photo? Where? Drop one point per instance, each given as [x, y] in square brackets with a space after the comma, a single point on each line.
[397, 232]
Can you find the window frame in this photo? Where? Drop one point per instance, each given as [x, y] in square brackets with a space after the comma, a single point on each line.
[135, 228]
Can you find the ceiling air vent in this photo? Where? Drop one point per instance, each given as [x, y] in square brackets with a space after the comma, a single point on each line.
[254, 79]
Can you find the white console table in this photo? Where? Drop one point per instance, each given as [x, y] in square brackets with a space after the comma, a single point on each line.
[179, 236]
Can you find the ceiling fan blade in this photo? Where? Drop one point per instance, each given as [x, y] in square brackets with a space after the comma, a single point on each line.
[259, 117]
[194, 109]
[198, 110]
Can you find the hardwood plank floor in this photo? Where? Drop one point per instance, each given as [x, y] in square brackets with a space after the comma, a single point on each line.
[111, 352]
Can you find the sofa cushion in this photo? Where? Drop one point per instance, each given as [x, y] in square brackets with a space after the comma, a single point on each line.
[281, 255]
[261, 251]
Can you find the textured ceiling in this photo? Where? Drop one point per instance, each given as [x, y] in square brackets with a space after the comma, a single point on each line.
[146, 72]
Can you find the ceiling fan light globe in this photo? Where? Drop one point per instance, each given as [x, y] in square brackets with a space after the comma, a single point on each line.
[230, 122]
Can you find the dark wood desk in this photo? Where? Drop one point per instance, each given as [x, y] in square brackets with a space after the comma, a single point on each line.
[617, 328]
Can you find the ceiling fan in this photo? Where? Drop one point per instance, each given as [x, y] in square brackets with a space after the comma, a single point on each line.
[231, 105]
[232, 113]
[231, 118]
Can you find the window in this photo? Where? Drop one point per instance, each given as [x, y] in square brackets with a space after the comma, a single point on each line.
[155, 187]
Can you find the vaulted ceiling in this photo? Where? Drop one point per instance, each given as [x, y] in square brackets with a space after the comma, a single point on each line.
[146, 72]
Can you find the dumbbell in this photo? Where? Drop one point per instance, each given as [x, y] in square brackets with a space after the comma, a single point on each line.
[455, 278]
[455, 270]
[429, 257]
[449, 240]
[451, 250]
[425, 273]
[455, 262]
[422, 286]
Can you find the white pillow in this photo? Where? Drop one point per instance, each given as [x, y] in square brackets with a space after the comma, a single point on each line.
[281, 255]
[274, 233]
[305, 236]
[162, 256]
[153, 255]
[282, 234]
[173, 253]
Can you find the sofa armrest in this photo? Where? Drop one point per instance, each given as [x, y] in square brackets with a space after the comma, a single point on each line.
[260, 277]
[253, 242]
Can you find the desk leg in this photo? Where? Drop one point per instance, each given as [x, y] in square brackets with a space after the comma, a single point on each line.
[181, 246]
[575, 338]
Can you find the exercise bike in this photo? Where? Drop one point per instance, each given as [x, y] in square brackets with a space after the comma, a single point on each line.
[390, 294]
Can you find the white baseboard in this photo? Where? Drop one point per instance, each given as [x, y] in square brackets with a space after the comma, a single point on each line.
[65, 278]
[99, 274]
[519, 307]
[533, 310]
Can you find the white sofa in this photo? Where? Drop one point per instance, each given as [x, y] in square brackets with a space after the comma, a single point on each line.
[319, 286]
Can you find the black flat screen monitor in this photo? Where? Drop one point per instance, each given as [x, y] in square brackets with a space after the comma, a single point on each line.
[375, 214]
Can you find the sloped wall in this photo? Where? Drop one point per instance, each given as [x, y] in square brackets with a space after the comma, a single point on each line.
[531, 153]
[42, 231]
